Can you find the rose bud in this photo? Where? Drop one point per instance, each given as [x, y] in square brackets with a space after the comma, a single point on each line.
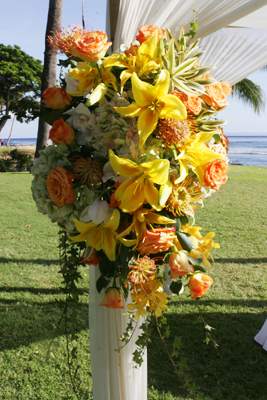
[61, 133]
[179, 265]
[56, 98]
[199, 284]
[112, 299]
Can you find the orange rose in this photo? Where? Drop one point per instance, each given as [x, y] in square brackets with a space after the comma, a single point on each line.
[59, 186]
[112, 299]
[61, 133]
[132, 51]
[199, 284]
[90, 46]
[179, 265]
[216, 173]
[145, 32]
[224, 140]
[56, 98]
[215, 96]
[192, 103]
[227, 89]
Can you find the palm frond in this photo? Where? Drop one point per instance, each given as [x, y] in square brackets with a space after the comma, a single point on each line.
[250, 93]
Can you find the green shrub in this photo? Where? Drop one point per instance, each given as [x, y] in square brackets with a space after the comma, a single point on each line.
[4, 165]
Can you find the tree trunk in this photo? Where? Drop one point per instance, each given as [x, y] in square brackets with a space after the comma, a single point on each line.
[113, 16]
[3, 121]
[9, 137]
[49, 72]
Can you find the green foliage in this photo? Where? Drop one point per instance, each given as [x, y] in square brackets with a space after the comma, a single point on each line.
[24, 160]
[250, 93]
[4, 165]
[20, 84]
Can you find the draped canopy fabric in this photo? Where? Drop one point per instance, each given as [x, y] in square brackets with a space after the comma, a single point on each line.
[228, 43]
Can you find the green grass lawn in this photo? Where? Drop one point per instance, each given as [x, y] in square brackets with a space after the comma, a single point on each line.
[236, 305]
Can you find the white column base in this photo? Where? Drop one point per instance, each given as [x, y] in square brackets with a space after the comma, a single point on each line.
[261, 336]
[114, 375]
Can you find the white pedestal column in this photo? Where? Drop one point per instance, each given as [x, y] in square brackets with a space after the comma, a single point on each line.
[114, 375]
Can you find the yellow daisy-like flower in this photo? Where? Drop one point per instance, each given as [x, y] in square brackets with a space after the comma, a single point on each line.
[203, 248]
[152, 103]
[140, 187]
[99, 236]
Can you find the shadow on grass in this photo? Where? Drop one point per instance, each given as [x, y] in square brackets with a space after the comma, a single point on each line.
[4, 260]
[242, 260]
[36, 291]
[23, 324]
[236, 370]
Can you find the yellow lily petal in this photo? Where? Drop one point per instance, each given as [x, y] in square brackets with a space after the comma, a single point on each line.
[133, 110]
[98, 94]
[127, 242]
[157, 170]
[122, 166]
[152, 194]
[94, 239]
[162, 86]
[124, 76]
[142, 91]
[133, 197]
[149, 47]
[114, 221]
[147, 122]
[82, 227]
[164, 193]
[173, 108]
[158, 219]
[148, 67]
[109, 244]
[183, 171]
[122, 188]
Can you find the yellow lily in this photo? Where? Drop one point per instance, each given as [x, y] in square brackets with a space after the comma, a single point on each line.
[89, 78]
[152, 103]
[143, 63]
[141, 218]
[198, 155]
[99, 236]
[140, 187]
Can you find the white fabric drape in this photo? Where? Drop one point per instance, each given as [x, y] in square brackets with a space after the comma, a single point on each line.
[176, 13]
[236, 52]
[261, 337]
[114, 375]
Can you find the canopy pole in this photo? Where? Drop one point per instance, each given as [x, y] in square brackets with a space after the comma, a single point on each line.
[231, 17]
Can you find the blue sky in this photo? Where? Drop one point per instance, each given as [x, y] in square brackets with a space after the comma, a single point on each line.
[24, 24]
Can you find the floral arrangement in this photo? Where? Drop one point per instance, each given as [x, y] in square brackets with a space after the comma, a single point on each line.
[136, 149]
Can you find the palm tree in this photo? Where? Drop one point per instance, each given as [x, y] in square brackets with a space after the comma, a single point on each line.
[250, 93]
[49, 71]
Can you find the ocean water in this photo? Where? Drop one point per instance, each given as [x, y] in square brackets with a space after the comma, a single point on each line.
[21, 141]
[248, 150]
[245, 150]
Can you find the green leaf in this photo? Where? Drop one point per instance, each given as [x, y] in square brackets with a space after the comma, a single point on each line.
[124, 253]
[176, 287]
[102, 283]
[185, 241]
[50, 116]
[217, 138]
[184, 66]
[171, 55]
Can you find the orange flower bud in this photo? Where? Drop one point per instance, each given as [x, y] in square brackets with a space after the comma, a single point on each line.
[56, 98]
[179, 265]
[199, 284]
[61, 133]
[112, 299]
[93, 259]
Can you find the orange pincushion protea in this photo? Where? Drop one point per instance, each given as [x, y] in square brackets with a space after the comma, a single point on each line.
[142, 270]
[181, 197]
[157, 240]
[176, 132]
[87, 171]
